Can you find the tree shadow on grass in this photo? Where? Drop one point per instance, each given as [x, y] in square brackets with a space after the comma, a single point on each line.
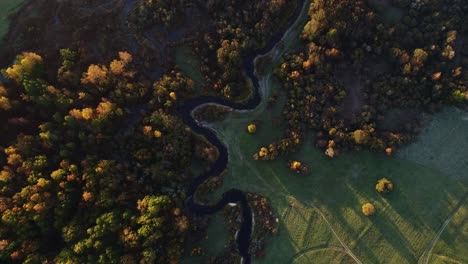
[349, 193]
[281, 246]
[394, 237]
[369, 253]
[449, 234]
[429, 206]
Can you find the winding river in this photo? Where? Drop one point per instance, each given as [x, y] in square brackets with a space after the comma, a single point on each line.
[273, 51]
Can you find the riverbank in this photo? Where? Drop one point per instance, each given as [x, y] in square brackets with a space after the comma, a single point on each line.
[279, 44]
[275, 51]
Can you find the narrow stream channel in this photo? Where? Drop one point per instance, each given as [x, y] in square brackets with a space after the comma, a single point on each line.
[274, 48]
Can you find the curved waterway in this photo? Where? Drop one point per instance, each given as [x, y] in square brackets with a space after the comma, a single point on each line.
[274, 50]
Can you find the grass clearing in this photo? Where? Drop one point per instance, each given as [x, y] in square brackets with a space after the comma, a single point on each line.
[189, 64]
[389, 13]
[326, 255]
[302, 229]
[6, 8]
[218, 233]
[216, 239]
[452, 243]
[429, 178]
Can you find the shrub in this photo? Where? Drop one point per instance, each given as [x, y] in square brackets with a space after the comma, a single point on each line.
[360, 136]
[252, 128]
[384, 185]
[368, 209]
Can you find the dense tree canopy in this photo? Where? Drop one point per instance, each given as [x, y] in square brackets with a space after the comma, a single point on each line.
[85, 177]
[361, 80]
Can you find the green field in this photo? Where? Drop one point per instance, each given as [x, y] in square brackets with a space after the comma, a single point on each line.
[189, 65]
[6, 8]
[328, 227]
[430, 182]
[423, 221]
[452, 240]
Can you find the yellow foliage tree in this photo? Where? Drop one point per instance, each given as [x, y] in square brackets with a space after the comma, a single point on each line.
[157, 133]
[173, 95]
[263, 152]
[6, 176]
[82, 95]
[95, 75]
[10, 150]
[147, 130]
[360, 136]
[125, 57]
[368, 209]
[76, 113]
[117, 67]
[25, 63]
[330, 152]
[4, 103]
[29, 60]
[295, 74]
[251, 128]
[87, 196]
[384, 185]
[87, 113]
[419, 57]
[14, 159]
[41, 182]
[295, 165]
[58, 175]
[105, 108]
[39, 207]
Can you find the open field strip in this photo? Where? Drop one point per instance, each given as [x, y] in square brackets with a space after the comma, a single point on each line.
[427, 252]
[450, 244]
[325, 254]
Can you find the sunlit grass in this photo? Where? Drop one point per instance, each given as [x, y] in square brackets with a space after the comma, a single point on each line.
[453, 243]
[426, 190]
[325, 255]
[320, 213]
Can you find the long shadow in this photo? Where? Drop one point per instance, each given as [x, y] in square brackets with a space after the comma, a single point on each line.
[284, 248]
[450, 233]
[429, 208]
[393, 236]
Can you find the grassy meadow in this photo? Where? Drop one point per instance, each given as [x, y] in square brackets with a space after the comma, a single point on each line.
[6, 8]
[430, 184]
[189, 65]
[424, 220]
